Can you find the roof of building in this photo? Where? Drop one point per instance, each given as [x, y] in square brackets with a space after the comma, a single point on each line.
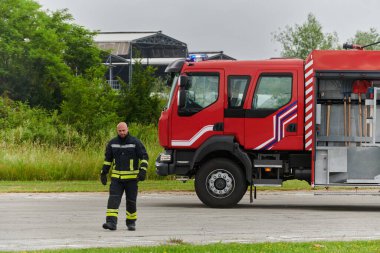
[144, 61]
[122, 36]
[119, 42]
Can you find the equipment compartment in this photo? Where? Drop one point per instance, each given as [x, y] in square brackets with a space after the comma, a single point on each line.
[347, 136]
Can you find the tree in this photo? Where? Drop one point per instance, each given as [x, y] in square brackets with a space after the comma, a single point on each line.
[365, 38]
[299, 40]
[90, 104]
[137, 104]
[40, 51]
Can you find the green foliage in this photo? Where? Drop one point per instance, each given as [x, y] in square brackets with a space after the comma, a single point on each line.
[38, 145]
[23, 159]
[40, 51]
[30, 161]
[161, 90]
[90, 105]
[48, 61]
[367, 37]
[299, 40]
[20, 123]
[160, 86]
[137, 103]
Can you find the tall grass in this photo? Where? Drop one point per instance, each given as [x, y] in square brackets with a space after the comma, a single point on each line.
[36, 144]
[78, 157]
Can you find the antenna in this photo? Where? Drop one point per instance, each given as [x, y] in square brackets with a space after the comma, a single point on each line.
[371, 44]
[359, 47]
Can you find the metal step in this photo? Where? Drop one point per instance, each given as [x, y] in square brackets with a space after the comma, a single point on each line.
[267, 163]
[267, 182]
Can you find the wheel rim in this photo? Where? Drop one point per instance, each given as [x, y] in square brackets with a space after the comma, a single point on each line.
[220, 183]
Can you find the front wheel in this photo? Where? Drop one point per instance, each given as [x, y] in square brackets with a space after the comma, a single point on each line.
[220, 183]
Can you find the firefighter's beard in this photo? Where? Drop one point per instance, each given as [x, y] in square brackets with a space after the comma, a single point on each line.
[123, 135]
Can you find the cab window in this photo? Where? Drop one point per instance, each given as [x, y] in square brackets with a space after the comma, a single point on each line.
[237, 88]
[202, 91]
[272, 92]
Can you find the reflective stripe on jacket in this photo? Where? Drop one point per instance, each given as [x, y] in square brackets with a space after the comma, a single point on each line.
[126, 156]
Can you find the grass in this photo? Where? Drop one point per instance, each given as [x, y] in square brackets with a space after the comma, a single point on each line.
[89, 186]
[32, 161]
[96, 186]
[39, 162]
[283, 247]
[146, 186]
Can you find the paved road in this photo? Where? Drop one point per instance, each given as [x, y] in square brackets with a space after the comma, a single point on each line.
[73, 220]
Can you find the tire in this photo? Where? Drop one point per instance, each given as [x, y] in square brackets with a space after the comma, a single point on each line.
[220, 183]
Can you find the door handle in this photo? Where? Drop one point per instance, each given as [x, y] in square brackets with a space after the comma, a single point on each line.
[291, 127]
[219, 126]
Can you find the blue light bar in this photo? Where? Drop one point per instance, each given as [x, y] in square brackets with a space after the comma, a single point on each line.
[197, 57]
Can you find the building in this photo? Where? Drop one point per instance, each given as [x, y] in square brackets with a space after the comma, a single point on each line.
[151, 48]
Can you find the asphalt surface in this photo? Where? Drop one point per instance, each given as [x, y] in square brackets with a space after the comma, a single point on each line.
[74, 220]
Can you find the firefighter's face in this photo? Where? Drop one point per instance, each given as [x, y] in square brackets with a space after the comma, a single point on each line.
[122, 129]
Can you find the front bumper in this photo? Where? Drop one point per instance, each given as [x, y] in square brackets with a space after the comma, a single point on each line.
[164, 163]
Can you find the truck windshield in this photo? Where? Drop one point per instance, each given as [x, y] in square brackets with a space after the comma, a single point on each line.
[175, 80]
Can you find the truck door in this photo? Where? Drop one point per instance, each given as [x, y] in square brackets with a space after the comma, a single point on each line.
[202, 113]
[273, 119]
[237, 87]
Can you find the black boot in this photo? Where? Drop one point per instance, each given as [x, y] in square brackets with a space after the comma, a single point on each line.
[131, 225]
[109, 225]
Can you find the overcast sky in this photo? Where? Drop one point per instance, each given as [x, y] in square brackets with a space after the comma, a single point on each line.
[241, 28]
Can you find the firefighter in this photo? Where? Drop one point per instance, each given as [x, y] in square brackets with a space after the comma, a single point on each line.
[129, 161]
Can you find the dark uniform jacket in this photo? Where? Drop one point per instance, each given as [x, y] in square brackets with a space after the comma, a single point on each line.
[126, 156]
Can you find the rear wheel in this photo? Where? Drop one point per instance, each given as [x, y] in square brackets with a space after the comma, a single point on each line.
[220, 183]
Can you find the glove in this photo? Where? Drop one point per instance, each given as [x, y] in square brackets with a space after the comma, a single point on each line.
[103, 178]
[142, 174]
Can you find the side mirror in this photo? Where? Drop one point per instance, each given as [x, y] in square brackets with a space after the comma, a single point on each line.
[182, 99]
[183, 81]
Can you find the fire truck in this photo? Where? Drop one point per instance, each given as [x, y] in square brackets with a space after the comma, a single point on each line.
[234, 124]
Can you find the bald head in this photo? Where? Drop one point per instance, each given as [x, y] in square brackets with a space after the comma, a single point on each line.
[122, 129]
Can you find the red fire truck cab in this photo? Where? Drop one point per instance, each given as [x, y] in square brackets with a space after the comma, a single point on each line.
[232, 124]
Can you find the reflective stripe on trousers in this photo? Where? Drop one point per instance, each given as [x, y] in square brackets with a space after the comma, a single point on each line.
[117, 189]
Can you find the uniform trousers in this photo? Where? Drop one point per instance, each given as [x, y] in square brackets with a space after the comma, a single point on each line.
[117, 188]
